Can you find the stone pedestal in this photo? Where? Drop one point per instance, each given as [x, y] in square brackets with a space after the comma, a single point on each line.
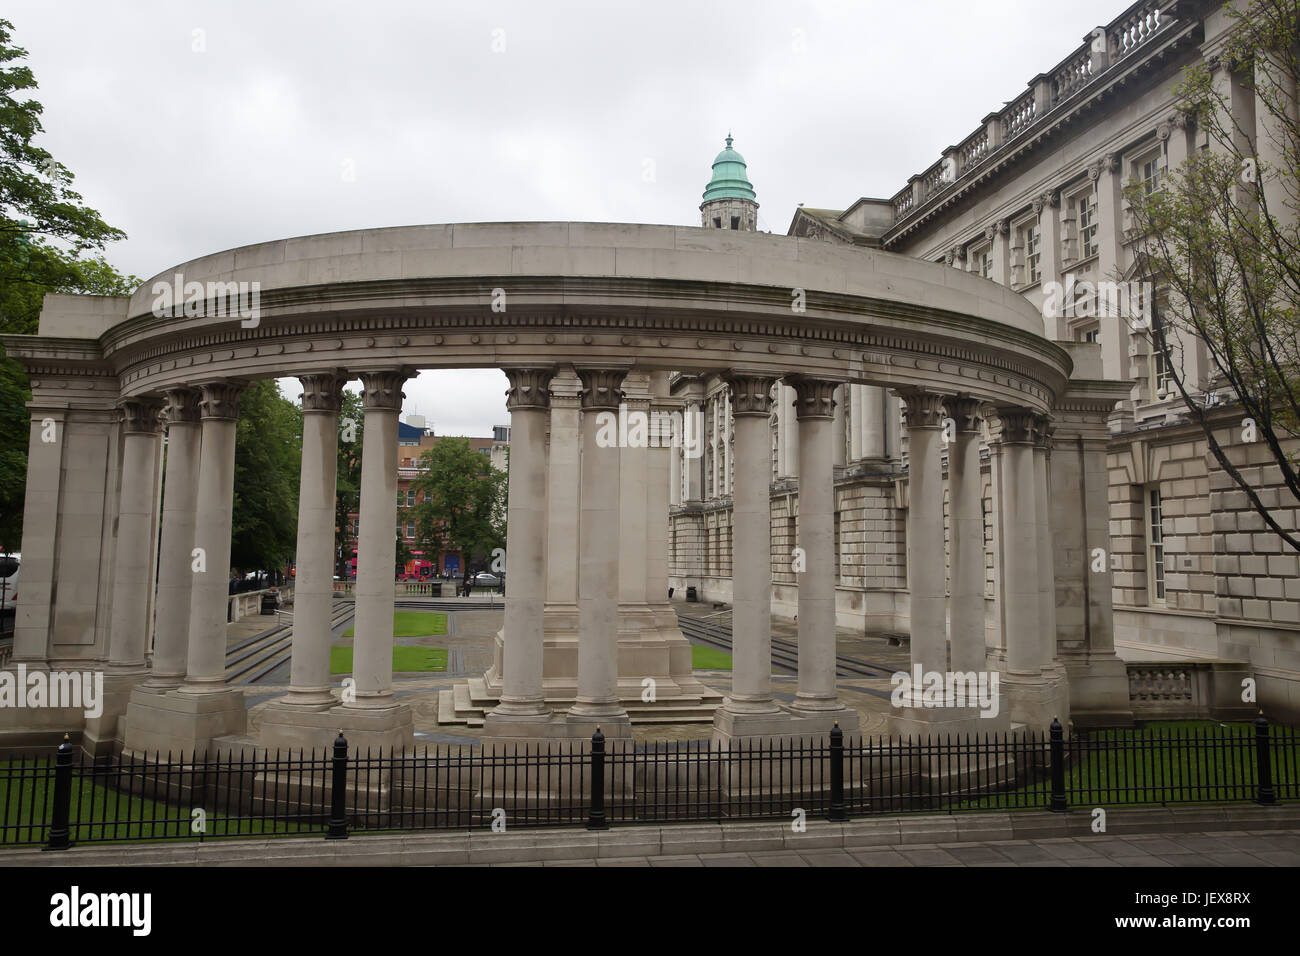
[179, 724]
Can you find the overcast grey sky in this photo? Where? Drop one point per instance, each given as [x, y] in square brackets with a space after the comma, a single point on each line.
[197, 126]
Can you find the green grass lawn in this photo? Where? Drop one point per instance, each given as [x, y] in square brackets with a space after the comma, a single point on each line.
[709, 659]
[26, 804]
[405, 659]
[414, 624]
[1197, 757]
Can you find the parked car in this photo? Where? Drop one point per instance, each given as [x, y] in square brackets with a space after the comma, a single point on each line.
[486, 579]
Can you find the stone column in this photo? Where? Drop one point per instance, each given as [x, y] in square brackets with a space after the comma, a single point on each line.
[1049, 263]
[749, 708]
[175, 576]
[563, 477]
[313, 586]
[597, 701]
[634, 617]
[966, 539]
[1018, 596]
[873, 421]
[133, 570]
[1051, 666]
[839, 427]
[925, 537]
[522, 703]
[209, 597]
[133, 562]
[817, 698]
[1000, 252]
[372, 651]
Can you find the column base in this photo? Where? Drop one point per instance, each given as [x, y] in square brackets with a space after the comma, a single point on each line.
[181, 724]
[373, 728]
[937, 723]
[739, 724]
[611, 719]
[103, 734]
[1033, 701]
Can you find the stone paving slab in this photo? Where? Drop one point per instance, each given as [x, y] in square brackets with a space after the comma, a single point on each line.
[1194, 836]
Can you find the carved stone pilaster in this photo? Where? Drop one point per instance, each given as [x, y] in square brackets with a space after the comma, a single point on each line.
[1018, 425]
[1048, 200]
[750, 394]
[220, 400]
[922, 409]
[323, 392]
[140, 416]
[602, 388]
[967, 412]
[182, 406]
[814, 398]
[383, 390]
[529, 387]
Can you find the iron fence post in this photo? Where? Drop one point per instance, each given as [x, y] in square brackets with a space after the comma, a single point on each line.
[837, 814]
[1264, 794]
[1057, 803]
[596, 818]
[60, 832]
[338, 829]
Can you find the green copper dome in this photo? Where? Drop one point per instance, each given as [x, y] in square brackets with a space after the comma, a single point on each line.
[729, 178]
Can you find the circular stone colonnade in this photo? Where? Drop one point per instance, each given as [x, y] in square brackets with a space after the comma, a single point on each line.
[537, 300]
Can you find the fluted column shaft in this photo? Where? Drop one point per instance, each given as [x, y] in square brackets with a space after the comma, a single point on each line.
[133, 556]
[925, 538]
[751, 549]
[313, 586]
[966, 541]
[815, 410]
[598, 553]
[209, 597]
[175, 576]
[528, 400]
[372, 652]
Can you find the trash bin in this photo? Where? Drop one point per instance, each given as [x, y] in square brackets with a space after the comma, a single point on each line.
[435, 589]
[691, 595]
[270, 601]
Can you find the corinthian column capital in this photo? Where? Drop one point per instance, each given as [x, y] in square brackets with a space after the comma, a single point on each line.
[814, 398]
[967, 412]
[382, 391]
[529, 387]
[182, 406]
[1018, 425]
[750, 394]
[922, 409]
[322, 392]
[602, 388]
[220, 400]
[140, 415]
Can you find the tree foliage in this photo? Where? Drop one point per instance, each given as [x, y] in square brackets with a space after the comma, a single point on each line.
[268, 455]
[49, 242]
[347, 495]
[1221, 235]
[463, 502]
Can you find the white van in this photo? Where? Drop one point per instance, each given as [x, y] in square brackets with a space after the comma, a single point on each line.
[9, 580]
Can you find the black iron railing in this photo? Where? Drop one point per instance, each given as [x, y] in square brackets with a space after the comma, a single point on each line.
[67, 800]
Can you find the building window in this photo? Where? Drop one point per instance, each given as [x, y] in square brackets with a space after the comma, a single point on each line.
[735, 222]
[410, 499]
[1086, 214]
[1091, 334]
[1155, 547]
[1150, 171]
[982, 262]
[717, 222]
[1033, 253]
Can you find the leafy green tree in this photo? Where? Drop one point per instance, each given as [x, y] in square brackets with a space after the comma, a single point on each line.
[347, 495]
[268, 457]
[1221, 236]
[49, 242]
[463, 502]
